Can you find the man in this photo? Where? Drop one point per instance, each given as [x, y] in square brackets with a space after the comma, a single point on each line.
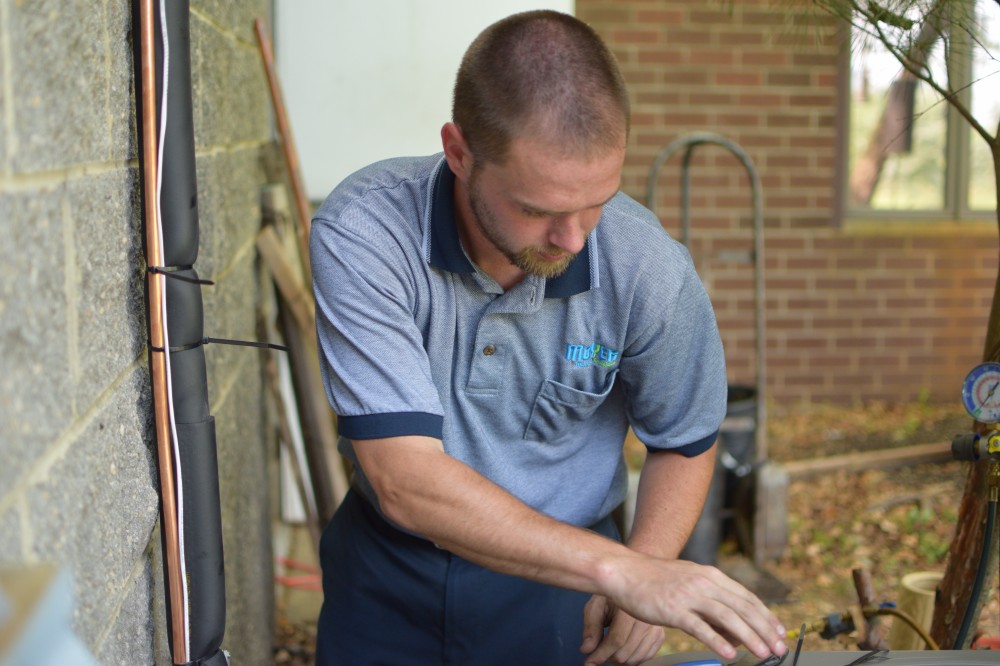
[491, 321]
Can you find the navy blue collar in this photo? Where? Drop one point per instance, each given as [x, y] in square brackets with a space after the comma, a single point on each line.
[446, 248]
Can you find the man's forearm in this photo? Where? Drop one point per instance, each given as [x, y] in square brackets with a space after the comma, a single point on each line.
[672, 490]
[424, 490]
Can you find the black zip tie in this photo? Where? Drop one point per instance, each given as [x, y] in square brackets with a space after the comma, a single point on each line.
[244, 343]
[159, 270]
[223, 341]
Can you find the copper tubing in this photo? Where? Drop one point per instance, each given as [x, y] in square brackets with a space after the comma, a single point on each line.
[288, 146]
[158, 368]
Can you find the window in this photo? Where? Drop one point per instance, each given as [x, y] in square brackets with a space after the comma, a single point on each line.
[909, 151]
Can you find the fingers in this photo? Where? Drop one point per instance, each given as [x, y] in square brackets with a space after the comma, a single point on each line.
[755, 626]
[595, 615]
[628, 641]
[711, 607]
[729, 615]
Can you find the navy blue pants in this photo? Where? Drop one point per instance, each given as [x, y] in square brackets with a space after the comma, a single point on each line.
[391, 598]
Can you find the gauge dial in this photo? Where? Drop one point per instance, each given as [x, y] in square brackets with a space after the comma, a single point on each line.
[981, 393]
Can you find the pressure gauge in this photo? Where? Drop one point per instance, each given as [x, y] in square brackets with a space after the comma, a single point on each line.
[981, 393]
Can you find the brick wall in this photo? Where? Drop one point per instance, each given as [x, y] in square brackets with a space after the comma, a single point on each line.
[854, 311]
[78, 481]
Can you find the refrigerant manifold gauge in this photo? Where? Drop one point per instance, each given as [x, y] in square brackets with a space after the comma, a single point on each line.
[981, 393]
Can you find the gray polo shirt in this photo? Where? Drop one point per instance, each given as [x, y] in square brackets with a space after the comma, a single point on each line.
[534, 387]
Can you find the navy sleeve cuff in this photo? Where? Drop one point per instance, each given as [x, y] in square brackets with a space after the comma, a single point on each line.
[693, 449]
[398, 424]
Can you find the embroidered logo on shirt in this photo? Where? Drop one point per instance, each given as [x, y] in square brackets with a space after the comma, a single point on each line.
[583, 356]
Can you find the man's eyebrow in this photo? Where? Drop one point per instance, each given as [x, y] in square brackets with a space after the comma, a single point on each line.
[537, 209]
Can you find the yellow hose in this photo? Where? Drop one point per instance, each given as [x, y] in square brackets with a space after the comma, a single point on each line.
[895, 612]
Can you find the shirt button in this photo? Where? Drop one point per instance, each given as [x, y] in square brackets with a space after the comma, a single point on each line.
[489, 350]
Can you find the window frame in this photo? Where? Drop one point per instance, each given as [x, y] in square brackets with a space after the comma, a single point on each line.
[955, 207]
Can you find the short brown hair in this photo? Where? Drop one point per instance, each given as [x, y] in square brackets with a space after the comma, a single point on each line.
[540, 72]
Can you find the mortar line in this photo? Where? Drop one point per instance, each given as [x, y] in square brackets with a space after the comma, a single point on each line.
[60, 446]
[226, 31]
[226, 149]
[54, 177]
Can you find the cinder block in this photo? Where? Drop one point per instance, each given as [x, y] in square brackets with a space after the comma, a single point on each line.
[228, 206]
[105, 212]
[3, 132]
[130, 640]
[33, 330]
[96, 509]
[122, 89]
[10, 529]
[225, 69]
[230, 312]
[237, 17]
[60, 84]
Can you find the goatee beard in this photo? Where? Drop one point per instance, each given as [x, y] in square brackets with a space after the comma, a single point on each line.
[528, 259]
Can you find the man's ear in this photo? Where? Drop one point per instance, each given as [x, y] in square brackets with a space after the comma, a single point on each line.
[456, 151]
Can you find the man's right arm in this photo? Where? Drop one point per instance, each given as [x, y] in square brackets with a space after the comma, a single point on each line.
[424, 490]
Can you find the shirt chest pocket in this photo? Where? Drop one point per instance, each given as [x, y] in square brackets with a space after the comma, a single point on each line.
[558, 408]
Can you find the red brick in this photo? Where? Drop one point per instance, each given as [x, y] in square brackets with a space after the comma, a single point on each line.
[732, 120]
[819, 101]
[685, 77]
[885, 283]
[826, 80]
[784, 120]
[636, 36]
[739, 38]
[857, 262]
[661, 98]
[711, 57]
[717, 98]
[788, 79]
[733, 78]
[856, 342]
[710, 18]
[764, 58]
[605, 15]
[776, 161]
[660, 17]
[689, 38]
[770, 18]
[659, 57]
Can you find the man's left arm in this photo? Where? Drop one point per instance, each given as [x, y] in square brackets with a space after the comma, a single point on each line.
[672, 490]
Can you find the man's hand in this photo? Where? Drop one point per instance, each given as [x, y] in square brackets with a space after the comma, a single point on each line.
[700, 601]
[628, 641]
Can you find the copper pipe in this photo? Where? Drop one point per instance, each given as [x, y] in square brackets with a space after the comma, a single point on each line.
[158, 363]
[288, 147]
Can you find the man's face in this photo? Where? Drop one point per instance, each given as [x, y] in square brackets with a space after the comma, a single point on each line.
[537, 208]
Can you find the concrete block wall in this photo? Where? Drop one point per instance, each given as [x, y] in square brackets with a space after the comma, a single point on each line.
[854, 311]
[78, 479]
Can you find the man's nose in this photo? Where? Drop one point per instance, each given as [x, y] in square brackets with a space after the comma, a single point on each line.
[569, 232]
